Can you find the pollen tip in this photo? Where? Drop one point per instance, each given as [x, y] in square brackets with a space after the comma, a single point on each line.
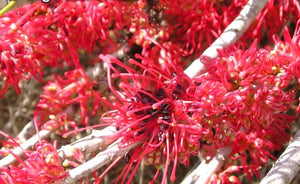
[155, 106]
[129, 113]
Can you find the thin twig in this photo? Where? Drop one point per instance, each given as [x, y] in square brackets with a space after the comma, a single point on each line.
[97, 162]
[28, 144]
[202, 173]
[230, 35]
[287, 166]
[141, 177]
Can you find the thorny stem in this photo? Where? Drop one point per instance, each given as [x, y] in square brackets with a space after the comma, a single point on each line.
[287, 166]
[229, 36]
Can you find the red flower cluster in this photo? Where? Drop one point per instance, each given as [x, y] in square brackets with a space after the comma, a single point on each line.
[243, 98]
[240, 102]
[40, 166]
[38, 35]
[152, 108]
[285, 12]
[61, 100]
[194, 25]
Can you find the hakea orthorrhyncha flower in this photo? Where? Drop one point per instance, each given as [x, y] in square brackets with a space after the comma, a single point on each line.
[151, 107]
[50, 34]
[252, 151]
[226, 176]
[287, 53]
[61, 100]
[245, 88]
[248, 91]
[39, 166]
[242, 98]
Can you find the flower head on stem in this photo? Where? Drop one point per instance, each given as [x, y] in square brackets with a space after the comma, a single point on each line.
[152, 108]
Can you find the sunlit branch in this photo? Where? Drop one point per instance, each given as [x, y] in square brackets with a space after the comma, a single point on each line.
[97, 162]
[201, 174]
[97, 140]
[19, 151]
[287, 166]
[230, 35]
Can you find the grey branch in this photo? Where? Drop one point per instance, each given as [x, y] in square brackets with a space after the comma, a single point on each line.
[287, 166]
[27, 132]
[9, 159]
[97, 162]
[98, 140]
[202, 173]
[230, 35]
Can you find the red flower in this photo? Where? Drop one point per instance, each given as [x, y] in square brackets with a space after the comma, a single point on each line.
[38, 35]
[249, 92]
[56, 110]
[245, 88]
[152, 107]
[40, 166]
[253, 150]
